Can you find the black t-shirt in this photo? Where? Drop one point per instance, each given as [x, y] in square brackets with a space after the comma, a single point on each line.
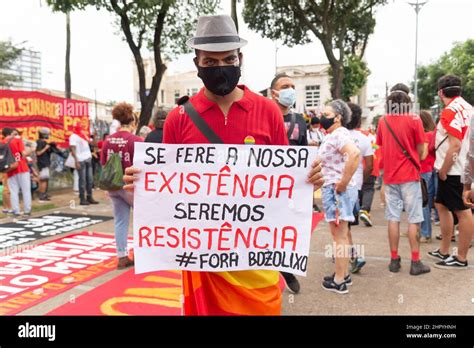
[298, 136]
[155, 136]
[44, 160]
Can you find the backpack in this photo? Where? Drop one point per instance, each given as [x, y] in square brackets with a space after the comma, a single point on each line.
[7, 160]
[111, 178]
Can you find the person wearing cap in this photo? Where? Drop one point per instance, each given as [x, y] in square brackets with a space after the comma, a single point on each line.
[451, 149]
[237, 115]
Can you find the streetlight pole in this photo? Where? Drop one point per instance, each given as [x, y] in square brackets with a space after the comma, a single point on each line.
[417, 7]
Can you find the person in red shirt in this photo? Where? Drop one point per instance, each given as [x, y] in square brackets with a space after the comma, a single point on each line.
[452, 144]
[427, 166]
[401, 176]
[19, 178]
[237, 115]
[122, 142]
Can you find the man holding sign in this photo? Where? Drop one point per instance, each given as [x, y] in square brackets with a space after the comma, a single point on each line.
[205, 208]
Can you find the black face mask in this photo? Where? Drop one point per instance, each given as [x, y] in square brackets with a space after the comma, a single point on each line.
[326, 123]
[220, 80]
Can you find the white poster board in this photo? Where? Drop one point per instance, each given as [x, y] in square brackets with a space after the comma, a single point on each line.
[222, 207]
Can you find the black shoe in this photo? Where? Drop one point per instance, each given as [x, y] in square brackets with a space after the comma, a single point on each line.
[451, 263]
[334, 287]
[347, 279]
[436, 255]
[417, 268]
[84, 202]
[92, 201]
[395, 265]
[292, 284]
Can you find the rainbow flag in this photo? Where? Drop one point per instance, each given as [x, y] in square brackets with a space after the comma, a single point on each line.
[232, 293]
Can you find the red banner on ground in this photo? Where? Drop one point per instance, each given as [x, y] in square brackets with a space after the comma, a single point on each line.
[30, 111]
[155, 293]
[40, 272]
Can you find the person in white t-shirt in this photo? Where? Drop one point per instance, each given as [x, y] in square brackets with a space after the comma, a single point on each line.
[81, 152]
[364, 169]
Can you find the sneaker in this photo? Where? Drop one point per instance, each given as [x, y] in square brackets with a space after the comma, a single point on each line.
[357, 264]
[27, 214]
[436, 223]
[417, 268]
[364, 216]
[124, 262]
[395, 265]
[84, 202]
[347, 279]
[292, 284]
[451, 263]
[425, 240]
[332, 286]
[92, 201]
[436, 255]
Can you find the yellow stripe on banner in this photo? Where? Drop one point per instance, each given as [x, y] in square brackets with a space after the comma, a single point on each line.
[251, 279]
[163, 293]
[107, 307]
[177, 272]
[163, 280]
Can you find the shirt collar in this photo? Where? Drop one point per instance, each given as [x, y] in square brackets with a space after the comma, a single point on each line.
[202, 104]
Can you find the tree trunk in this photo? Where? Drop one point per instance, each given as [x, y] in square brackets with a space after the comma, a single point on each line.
[67, 77]
[233, 13]
[338, 77]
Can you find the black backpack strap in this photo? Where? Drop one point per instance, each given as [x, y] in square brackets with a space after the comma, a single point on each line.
[199, 121]
[405, 152]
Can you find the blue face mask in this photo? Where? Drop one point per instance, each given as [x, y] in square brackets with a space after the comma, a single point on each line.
[287, 97]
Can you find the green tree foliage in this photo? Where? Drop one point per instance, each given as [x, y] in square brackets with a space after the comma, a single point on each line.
[343, 27]
[458, 61]
[8, 55]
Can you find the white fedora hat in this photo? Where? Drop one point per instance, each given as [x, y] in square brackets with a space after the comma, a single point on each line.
[216, 34]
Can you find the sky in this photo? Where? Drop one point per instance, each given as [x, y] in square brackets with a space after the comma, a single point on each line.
[102, 64]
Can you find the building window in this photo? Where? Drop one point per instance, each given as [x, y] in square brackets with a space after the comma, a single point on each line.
[313, 96]
[176, 95]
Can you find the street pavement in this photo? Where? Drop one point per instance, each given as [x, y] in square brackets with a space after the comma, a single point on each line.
[375, 291]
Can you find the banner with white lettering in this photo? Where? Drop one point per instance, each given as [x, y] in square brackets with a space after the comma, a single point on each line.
[222, 207]
[32, 229]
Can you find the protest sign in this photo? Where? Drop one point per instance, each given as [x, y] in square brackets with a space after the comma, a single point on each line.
[222, 207]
